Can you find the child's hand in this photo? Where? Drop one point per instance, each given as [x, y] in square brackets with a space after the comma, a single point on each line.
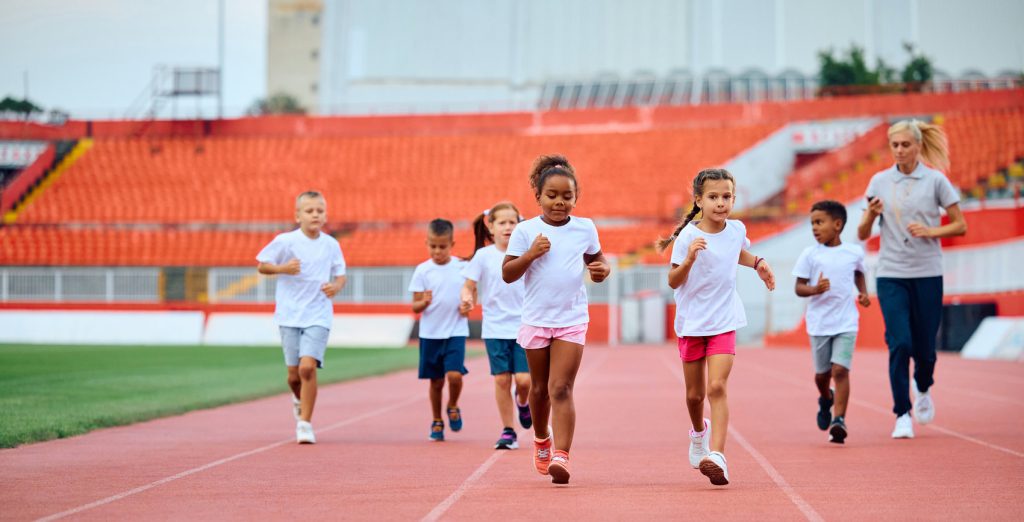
[864, 300]
[765, 273]
[292, 267]
[540, 246]
[696, 246]
[428, 297]
[465, 306]
[823, 284]
[330, 289]
[598, 271]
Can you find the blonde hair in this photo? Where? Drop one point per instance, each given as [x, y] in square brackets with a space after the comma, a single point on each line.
[311, 194]
[934, 145]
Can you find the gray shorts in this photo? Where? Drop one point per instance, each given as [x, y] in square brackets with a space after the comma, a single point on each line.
[310, 341]
[832, 349]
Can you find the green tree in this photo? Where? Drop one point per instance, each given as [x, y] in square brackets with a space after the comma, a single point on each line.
[918, 71]
[279, 103]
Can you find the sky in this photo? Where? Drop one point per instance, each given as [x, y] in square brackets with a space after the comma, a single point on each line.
[94, 58]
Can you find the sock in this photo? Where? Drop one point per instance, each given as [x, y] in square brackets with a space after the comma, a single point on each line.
[523, 405]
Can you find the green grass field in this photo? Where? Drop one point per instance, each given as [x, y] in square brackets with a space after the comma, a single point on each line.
[49, 392]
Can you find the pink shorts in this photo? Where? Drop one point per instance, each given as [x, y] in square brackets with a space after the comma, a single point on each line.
[696, 348]
[533, 337]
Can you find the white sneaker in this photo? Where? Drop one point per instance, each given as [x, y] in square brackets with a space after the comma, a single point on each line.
[304, 433]
[296, 408]
[904, 427]
[714, 467]
[924, 407]
[699, 444]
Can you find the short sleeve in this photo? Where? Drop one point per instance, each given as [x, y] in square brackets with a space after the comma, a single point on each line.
[519, 243]
[418, 282]
[338, 262]
[473, 270]
[945, 193]
[861, 267]
[593, 243]
[273, 252]
[680, 248]
[802, 268]
[746, 240]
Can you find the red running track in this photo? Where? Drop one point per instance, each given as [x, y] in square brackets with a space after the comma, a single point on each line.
[373, 460]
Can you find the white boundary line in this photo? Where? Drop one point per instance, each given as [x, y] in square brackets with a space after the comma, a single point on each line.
[776, 477]
[886, 411]
[446, 504]
[204, 467]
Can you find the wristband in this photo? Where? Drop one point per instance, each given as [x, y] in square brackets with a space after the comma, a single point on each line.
[757, 261]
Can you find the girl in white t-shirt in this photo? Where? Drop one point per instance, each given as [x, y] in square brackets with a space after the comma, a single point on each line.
[502, 312]
[552, 251]
[709, 311]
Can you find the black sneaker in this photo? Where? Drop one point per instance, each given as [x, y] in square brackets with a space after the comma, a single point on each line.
[524, 416]
[825, 412]
[508, 440]
[837, 432]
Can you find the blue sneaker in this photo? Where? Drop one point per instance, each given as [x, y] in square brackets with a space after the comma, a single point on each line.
[455, 419]
[437, 431]
[524, 416]
[825, 412]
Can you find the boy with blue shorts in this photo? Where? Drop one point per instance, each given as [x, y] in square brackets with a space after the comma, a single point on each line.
[831, 274]
[435, 286]
[311, 270]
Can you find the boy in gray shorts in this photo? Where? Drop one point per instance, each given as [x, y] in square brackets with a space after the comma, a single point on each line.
[831, 274]
[312, 271]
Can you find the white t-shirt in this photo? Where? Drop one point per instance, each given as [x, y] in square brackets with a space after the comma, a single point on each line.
[835, 311]
[555, 294]
[300, 302]
[441, 319]
[502, 302]
[708, 304]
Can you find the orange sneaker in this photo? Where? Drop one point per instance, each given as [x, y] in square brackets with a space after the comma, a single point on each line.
[559, 467]
[542, 454]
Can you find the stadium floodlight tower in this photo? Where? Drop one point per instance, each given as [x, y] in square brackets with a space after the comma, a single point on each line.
[171, 84]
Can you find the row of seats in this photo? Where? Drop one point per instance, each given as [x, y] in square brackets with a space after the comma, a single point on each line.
[392, 179]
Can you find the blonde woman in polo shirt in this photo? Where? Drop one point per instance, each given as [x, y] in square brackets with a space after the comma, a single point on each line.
[907, 198]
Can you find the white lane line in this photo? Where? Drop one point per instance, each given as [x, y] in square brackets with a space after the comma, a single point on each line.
[888, 412]
[204, 467]
[776, 477]
[446, 504]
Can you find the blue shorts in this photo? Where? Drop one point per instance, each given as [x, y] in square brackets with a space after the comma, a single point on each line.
[506, 356]
[440, 356]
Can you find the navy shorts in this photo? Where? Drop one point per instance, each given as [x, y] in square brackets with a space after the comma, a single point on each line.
[506, 356]
[440, 356]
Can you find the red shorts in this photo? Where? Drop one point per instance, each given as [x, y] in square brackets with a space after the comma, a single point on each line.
[696, 348]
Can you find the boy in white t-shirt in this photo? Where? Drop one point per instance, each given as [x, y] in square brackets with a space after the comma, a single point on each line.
[831, 274]
[311, 272]
[436, 292]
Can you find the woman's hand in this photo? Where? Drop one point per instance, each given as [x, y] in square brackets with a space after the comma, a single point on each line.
[919, 230]
[875, 207]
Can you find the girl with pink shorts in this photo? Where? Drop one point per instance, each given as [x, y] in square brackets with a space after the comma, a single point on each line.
[552, 251]
[709, 311]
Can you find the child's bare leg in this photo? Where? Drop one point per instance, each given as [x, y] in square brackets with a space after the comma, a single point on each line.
[693, 372]
[436, 387]
[841, 376]
[540, 402]
[522, 387]
[565, 362]
[454, 388]
[294, 382]
[503, 396]
[823, 382]
[719, 367]
[307, 376]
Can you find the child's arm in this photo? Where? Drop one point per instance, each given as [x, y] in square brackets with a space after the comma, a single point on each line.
[759, 264]
[804, 289]
[598, 266]
[421, 300]
[513, 267]
[678, 274]
[862, 289]
[291, 268]
[468, 294]
[332, 289]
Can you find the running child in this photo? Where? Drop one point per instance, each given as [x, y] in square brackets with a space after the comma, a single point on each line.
[831, 274]
[435, 288]
[311, 270]
[502, 311]
[709, 311]
[552, 251]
